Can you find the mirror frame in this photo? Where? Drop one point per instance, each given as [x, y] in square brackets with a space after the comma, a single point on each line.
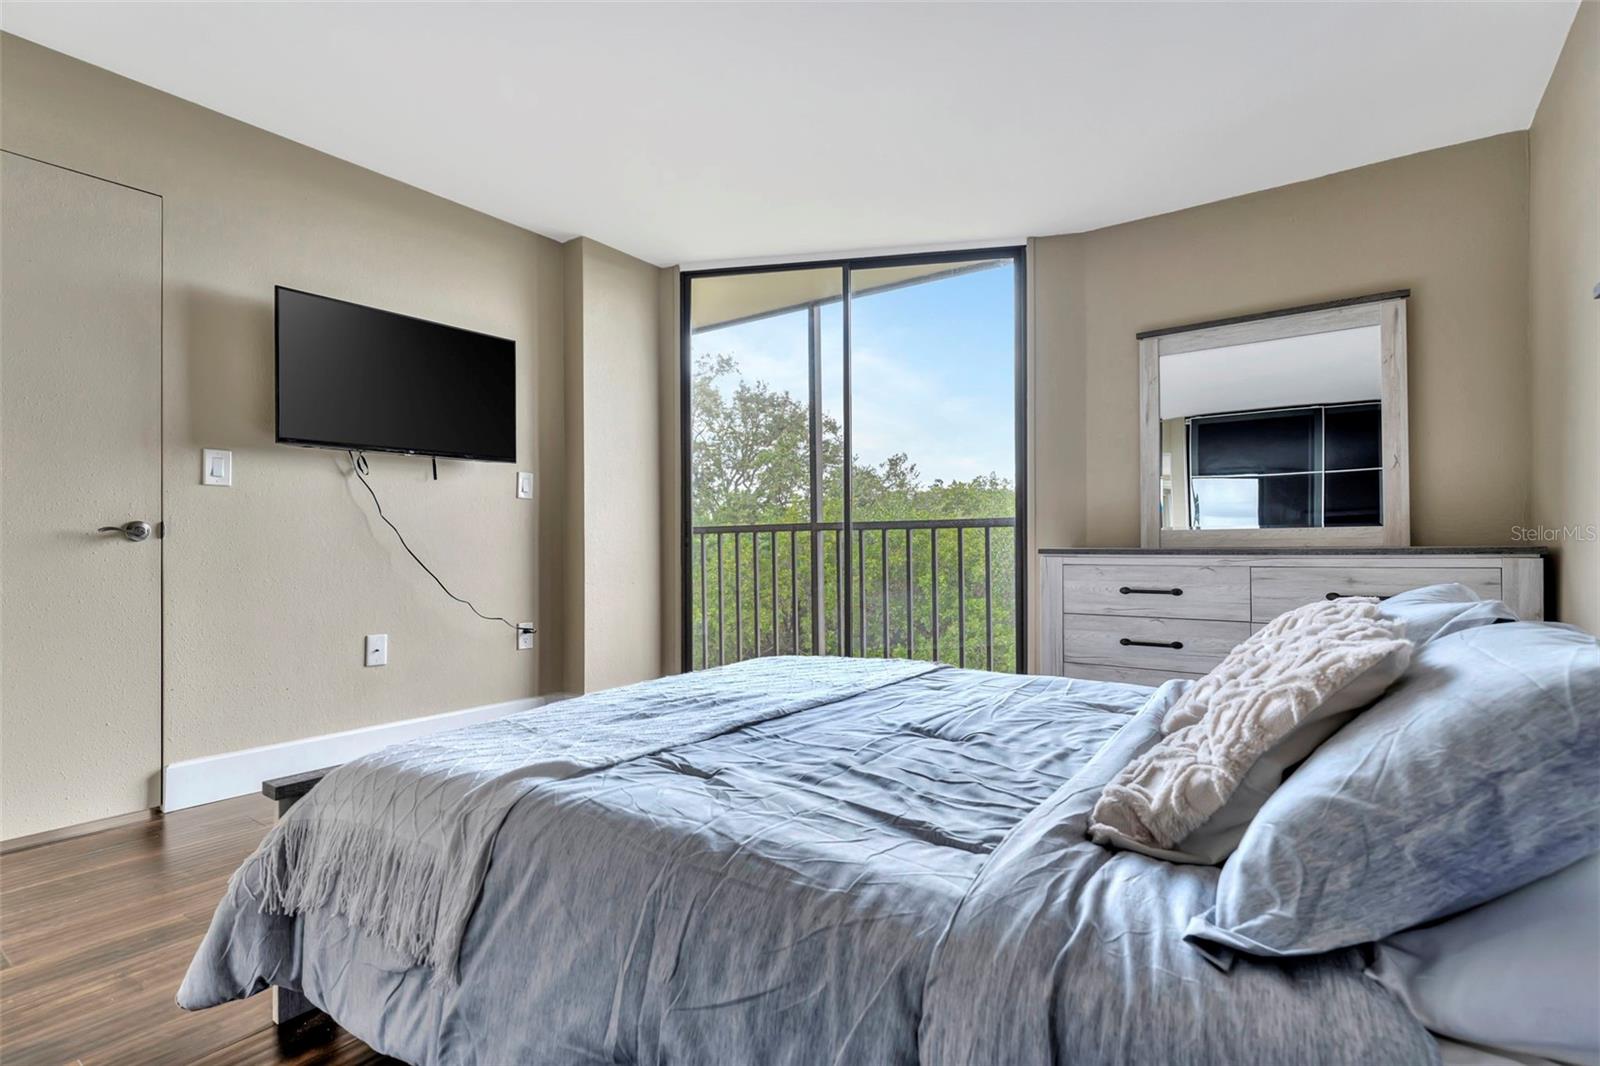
[1387, 310]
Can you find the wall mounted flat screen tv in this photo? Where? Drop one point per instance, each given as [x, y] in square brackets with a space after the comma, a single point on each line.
[359, 378]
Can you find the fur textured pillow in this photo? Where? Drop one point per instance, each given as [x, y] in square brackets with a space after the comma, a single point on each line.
[1232, 737]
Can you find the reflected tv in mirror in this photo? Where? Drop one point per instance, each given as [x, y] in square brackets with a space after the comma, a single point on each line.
[360, 378]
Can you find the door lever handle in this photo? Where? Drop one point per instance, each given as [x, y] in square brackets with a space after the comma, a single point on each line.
[134, 531]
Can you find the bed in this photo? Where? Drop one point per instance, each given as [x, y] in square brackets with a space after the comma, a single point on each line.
[895, 871]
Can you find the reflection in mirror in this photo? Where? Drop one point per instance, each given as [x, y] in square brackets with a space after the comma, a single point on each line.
[1280, 433]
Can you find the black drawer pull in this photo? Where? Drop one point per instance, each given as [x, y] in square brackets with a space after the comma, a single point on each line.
[1126, 591]
[1127, 642]
[1342, 595]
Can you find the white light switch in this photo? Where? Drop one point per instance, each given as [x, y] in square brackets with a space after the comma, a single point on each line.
[524, 484]
[216, 467]
[524, 636]
[377, 649]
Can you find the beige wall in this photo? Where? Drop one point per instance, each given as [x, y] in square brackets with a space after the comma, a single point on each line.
[1057, 377]
[1564, 268]
[1450, 225]
[613, 394]
[271, 585]
[572, 257]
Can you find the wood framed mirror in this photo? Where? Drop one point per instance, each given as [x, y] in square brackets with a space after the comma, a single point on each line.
[1282, 429]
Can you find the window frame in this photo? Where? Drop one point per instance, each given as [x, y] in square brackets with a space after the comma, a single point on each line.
[1017, 254]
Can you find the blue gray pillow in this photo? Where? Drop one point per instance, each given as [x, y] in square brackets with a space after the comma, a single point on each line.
[1476, 774]
[1515, 974]
[1438, 610]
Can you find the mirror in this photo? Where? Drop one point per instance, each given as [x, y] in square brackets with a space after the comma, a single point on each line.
[1285, 428]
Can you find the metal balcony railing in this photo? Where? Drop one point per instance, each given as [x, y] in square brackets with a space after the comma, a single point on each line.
[939, 589]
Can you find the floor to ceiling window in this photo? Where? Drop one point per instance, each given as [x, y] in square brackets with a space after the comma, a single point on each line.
[912, 366]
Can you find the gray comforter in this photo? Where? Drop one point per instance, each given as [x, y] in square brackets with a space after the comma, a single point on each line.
[901, 875]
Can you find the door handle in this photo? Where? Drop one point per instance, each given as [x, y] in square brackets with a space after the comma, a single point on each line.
[134, 531]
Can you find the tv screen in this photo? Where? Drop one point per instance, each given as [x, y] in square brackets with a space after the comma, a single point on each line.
[359, 378]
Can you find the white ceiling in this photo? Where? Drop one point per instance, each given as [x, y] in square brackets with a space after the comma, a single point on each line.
[689, 133]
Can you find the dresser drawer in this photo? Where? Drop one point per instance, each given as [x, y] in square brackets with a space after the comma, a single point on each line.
[1146, 643]
[1276, 589]
[1157, 591]
[1124, 674]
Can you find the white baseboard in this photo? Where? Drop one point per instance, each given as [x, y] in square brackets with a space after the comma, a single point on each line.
[239, 773]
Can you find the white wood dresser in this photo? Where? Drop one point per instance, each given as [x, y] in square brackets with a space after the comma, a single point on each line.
[1146, 615]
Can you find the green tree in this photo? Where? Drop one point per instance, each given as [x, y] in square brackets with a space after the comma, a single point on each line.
[750, 450]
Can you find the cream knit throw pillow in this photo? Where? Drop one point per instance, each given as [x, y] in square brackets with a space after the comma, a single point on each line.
[1264, 709]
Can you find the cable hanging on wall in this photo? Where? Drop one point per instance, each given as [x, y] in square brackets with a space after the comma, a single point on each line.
[358, 463]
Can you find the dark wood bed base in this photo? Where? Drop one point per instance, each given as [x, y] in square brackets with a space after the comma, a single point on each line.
[286, 791]
[297, 1018]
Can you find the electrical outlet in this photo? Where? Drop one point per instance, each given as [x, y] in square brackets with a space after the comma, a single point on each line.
[525, 636]
[377, 649]
[524, 484]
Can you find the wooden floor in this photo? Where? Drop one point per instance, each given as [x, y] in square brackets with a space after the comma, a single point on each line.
[97, 931]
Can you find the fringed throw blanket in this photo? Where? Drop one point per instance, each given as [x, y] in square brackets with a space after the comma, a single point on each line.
[398, 841]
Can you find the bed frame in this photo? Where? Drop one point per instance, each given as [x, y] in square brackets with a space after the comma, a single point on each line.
[298, 1019]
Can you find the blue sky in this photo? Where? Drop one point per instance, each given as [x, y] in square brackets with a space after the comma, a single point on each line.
[933, 365]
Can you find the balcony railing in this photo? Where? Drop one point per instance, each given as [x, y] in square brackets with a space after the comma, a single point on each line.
[938, 589]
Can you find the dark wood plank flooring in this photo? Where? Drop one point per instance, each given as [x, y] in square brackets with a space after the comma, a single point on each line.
[96, 933]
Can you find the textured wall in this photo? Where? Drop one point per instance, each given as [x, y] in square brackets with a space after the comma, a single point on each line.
[1450, 225]
[1564, 268]
[271, 585]
[613, 392]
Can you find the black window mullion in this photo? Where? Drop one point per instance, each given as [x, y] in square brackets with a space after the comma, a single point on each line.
[849, 454]
[814, 355]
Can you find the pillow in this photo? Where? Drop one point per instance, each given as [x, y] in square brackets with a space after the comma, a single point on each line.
[1233, 735]
[1438, 610]
[1477, 774]
[1520, 973]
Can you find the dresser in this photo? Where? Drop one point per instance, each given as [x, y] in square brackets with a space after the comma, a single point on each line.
[1146, 615]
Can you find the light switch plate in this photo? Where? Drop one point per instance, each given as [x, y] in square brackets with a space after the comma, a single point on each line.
[524, 484]
[377, 649]
[525, 636]
[216, 467]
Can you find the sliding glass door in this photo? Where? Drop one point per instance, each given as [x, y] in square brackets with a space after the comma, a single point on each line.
[912, 366]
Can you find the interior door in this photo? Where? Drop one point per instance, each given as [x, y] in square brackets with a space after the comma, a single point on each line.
[80, 449]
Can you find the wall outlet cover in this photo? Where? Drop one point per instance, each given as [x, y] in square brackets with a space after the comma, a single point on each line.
[524, 484]
[377, 649]
[525, 636]
[216, 467]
